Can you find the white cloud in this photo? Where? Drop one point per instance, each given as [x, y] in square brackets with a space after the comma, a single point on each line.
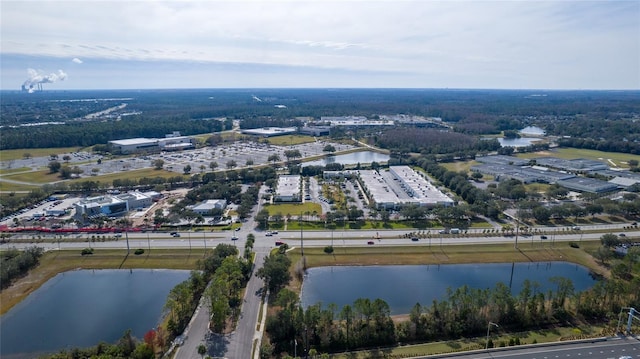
[525, 40]
[76, 60]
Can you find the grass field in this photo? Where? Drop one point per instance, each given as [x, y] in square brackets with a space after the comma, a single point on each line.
[37, 177]
[617, 159]
[55, 262]
[460, 166]
[6, 171]
[6, 155]
[294, 209]
[289, 140]
[132, 174]
[16, 187]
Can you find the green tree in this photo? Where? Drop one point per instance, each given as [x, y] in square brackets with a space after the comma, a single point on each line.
[54, 166]
[158, 164]
[275, 271]
[202, 350]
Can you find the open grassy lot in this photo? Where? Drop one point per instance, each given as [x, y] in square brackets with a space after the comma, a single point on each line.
[617, 159]
[289, 140]
[6, 171]
[6, 155]
[460, 166]
[294, 209]
[39, 177]
[132, 175]
[55, 262]
[15, 187]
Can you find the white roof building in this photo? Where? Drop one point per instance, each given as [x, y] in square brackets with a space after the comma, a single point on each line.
[288, 188]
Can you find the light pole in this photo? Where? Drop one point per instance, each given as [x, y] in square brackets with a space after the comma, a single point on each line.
[486, 346]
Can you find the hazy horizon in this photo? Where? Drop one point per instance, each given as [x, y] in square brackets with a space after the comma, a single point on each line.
[511, 45]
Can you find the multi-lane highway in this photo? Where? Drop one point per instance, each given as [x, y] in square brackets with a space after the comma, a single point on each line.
[613, 348]
[245, 337]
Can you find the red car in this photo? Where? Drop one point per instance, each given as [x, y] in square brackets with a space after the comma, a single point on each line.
[278, 243]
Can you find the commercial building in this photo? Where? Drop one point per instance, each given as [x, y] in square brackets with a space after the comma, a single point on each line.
[315, 130]
[205, 208]
[100, 206]
[400, 186]
[269, 131]
[113, 205]
[585, 184]
[574, 165]
[136, 200]
[137, 145]
[288, 189]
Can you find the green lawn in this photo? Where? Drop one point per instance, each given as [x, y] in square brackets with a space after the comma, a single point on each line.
[132, 174]
[15, 187]
[39, 177]
[14, 170]
[289, 140]
[294, 209]
[619, 159]
[6, 155]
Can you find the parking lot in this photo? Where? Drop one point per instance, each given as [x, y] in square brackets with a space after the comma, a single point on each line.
[200, 159]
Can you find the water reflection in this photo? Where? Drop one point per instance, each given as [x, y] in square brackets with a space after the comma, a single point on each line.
[403, 286]
[81, 308]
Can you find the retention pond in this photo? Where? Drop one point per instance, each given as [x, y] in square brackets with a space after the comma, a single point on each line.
[402, 286]
[84, 307]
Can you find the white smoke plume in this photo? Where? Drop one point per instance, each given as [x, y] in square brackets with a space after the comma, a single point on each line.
[37, 78]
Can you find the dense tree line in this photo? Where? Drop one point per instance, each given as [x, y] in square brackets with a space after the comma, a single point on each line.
[192, 111]
[430, 141]
[94, 132]
[602, 144]
[127, 347]
[15, 264]
[463, 312]
[184, 298]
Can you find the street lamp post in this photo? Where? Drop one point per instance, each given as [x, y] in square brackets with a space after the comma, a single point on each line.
[486, 346]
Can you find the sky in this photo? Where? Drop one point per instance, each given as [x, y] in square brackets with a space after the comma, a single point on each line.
[139, 44]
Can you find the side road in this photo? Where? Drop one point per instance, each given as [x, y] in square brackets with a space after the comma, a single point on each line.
[240, 343]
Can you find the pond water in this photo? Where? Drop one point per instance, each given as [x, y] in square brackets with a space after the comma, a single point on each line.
[533, 131]
[403, 286]
[81, 308]
[350, 159]
[517, 142]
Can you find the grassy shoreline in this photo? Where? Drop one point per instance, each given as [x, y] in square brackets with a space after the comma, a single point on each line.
[55, 262]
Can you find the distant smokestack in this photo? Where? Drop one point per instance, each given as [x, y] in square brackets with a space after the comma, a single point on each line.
[37, 78]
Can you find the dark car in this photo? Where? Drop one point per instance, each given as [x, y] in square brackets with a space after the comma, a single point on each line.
[622, 235]
[278, 243]
[237, 229]
[415, 239]
[543, 237]
[370, 242]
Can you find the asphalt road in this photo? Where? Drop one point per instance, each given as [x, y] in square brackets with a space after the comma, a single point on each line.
[614, 348]
[239, 344]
